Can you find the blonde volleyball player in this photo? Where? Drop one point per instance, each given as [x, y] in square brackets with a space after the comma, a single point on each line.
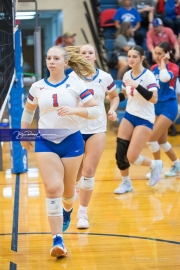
[139, 86]
[94, 132]
[59, 158]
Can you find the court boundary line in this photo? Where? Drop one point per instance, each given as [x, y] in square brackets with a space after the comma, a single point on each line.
[102, 234]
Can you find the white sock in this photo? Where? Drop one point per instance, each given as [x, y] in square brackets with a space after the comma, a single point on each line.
[126, 179]
[176, 161]
[67, 210]
[152, 164]
[82, 208]
[57, 235]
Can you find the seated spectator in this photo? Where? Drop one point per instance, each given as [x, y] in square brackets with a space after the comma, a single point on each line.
[123, 42]
[146, 10]
[159, 34]
[172, 18]
[127, 13]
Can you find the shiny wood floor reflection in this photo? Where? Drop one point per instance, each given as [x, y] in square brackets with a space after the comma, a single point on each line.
[133, 231]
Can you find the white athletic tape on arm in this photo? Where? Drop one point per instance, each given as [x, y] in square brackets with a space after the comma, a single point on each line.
[27, 115]
[93, 112]
[164, 75]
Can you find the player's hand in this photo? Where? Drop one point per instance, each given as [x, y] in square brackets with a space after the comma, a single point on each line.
[26, 145]
[166, 57]
[131, 83]
[65, 110]
[112, 115]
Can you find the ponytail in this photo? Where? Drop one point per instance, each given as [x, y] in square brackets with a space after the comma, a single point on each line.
[77, 61]
[145, 63]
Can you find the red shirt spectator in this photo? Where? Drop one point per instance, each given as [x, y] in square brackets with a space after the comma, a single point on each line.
[158, 34]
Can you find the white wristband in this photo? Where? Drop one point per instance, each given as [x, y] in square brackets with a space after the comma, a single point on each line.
[93, 112]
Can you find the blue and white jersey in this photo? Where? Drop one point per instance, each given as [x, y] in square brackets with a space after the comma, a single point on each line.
[166, 90]
[51, 96]
[125, 15]
[137, 105]
[99, 85]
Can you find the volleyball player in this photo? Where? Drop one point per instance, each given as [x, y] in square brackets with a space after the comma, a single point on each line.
[94, 132]
[139, 86]
[58, 159]
[166, 109]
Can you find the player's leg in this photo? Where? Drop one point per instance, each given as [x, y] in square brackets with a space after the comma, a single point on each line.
[93, 150]
[124, 136]
[52, 177]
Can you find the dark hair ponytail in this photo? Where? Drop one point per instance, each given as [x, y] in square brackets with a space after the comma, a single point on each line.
[166, 48]
[140, 50]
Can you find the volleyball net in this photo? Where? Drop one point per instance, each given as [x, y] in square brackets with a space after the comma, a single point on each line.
[6, 52]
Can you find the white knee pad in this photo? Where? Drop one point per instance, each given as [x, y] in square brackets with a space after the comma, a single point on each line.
[54, 207]
[153, 146]
[69, 200]
[165, 146]
[138, 161]
[87, 183]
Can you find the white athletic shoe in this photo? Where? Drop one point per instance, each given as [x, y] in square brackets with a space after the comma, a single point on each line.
[155, 174]
[124, 187]
[174, 171]
[82, 220]
[149, 174]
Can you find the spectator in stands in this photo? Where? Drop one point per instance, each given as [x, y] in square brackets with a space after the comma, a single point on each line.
[123, 42]
[159, 34]
[68, 39]
[146, 10]
[127, 13]
[172, 18]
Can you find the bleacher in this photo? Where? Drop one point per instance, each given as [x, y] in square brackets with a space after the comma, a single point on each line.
[107, 10]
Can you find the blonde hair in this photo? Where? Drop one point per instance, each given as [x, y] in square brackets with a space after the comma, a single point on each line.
[77, 61]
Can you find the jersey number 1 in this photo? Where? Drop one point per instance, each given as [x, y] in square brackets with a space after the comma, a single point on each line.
[55, 101]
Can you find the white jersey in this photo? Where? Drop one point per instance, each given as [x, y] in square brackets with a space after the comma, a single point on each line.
[101, 83]
[137, 105]
[49, 97]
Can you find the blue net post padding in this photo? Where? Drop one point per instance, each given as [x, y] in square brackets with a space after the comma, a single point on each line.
[19, 161]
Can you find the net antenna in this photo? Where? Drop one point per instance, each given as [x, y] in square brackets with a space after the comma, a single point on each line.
[37, 42]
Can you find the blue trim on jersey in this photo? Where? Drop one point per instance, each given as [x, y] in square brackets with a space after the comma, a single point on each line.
[95, 76]
[137, 121]
[139, 75]
[71, 146]
[55, 85]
